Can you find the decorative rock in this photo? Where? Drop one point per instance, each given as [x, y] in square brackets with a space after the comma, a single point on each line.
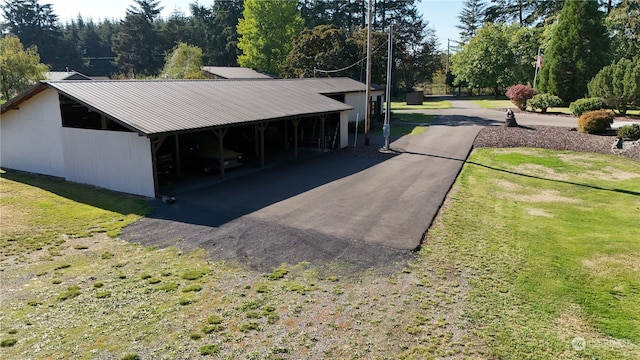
[511, 119]
[168, 199]
[618, 144]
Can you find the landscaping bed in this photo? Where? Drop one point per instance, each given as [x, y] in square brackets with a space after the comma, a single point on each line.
[555, 138]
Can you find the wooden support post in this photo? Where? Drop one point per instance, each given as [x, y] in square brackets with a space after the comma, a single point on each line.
[323, 140]
[103, 122]
[261, 128]
[295, 122]
[178, 161]
[220, 133]
[155, 146]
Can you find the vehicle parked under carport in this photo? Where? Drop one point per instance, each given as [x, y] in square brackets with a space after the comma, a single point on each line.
[202, 151]
[199, 152]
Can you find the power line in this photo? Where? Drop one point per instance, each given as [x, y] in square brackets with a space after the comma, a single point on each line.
[315, 70]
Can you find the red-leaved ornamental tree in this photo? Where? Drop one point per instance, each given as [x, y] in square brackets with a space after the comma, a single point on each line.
[519, 94]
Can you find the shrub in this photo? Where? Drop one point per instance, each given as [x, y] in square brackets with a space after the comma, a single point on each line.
[8, 342]
[543, 102]
[210, 349]
[631, 132]
[597, 121]
[581, 106]
[131, 357]
[194, 274]
[519, 94]
[72, 291]
[214, 319]
[618, 84]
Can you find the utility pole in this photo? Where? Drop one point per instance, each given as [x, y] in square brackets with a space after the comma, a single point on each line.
[386, 129]
[367, 115]
[446, 71]
[446, 74]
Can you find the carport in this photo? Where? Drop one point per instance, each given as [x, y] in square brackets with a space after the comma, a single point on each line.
[110, 133]
[320, 132]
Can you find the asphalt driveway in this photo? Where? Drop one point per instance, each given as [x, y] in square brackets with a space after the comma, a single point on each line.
[357, 208]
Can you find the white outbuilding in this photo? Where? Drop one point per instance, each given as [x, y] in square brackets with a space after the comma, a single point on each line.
[108, 133]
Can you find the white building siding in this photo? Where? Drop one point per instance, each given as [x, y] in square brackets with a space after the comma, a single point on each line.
[359, 105]
[119, 161]
[30, 137]
[344, 129]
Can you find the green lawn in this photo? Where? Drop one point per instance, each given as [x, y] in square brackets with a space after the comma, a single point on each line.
[414, 118]
[401, 130]
[549, 244]
[427, 105]
[494, 104]
[532, 250]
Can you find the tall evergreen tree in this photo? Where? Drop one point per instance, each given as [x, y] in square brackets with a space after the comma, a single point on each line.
[624, 25]
[471, 19]
[577, 51]
[97, 40]
[137, 45]
[226, 15]
[266, 31]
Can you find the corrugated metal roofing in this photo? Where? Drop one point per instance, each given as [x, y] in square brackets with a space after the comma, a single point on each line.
[65, 75]
[235, 72]
[154, 107]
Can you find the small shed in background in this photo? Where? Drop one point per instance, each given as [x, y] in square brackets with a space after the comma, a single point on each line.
[415, 98]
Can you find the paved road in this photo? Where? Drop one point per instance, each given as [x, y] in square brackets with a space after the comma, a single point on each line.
[343, 207]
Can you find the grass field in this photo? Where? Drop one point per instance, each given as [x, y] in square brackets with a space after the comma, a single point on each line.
[427, 105]
[494, 104]
[534, 250]
[414, 118]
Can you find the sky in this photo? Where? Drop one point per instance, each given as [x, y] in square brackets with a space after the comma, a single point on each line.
[442, 15]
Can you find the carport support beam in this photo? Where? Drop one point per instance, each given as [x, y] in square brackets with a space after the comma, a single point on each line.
[220, 133]
[295, 122]
[178, 162]
[323, 140]
[262, 127]
[155, 146]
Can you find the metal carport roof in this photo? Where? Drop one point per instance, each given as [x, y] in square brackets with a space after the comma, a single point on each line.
[156, 107]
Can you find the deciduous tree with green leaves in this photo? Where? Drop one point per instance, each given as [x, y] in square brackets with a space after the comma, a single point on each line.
[324, 47]
[624, 24]
[497, 57]
[19, 68]
[266, 32]
[184, 62]
[579, 48]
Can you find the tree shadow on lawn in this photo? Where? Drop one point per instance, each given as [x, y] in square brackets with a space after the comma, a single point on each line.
[595, 187]
[97, 197]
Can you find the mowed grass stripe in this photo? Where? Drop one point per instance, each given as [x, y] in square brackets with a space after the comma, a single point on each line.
[551, 255]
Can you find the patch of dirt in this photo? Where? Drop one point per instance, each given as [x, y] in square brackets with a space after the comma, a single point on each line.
[609, 173]
[573, 329]
[539, 212]
[540, 171]
[507, 185]
[546, 196]
[602, 264]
